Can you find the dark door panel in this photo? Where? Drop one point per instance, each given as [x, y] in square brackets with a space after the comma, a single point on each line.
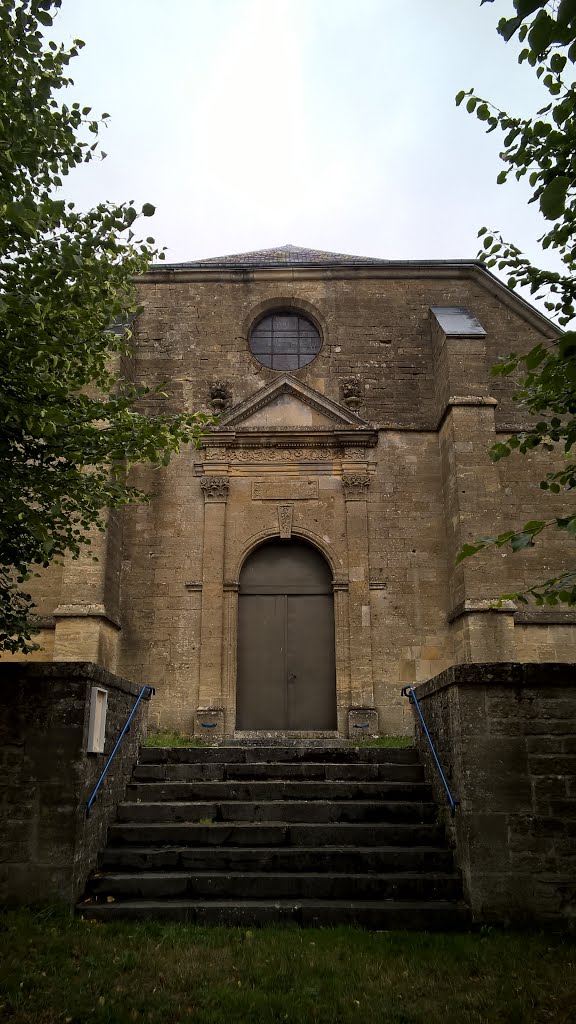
[286, 663]
[310, 662]
[261, 699]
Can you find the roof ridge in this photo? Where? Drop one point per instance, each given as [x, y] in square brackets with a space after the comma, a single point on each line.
[281, 256]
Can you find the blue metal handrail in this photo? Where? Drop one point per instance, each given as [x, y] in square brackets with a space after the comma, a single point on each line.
[145, 689]
[407, 691]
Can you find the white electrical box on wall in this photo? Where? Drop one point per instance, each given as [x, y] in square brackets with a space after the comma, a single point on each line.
[97, 726]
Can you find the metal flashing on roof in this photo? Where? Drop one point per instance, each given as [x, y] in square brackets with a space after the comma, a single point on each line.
[457, 320]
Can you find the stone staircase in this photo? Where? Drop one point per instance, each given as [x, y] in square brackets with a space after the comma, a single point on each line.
[252, 835]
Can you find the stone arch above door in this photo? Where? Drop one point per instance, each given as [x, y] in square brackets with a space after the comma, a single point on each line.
[339, 573]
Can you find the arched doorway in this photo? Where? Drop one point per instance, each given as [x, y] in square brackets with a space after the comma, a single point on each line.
[286, 664]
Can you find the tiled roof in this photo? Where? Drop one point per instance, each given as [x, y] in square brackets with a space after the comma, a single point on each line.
[282, 256]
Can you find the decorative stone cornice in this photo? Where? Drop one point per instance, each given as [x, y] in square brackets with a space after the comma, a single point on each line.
[215, 488]
[331, 444]
[355, 486]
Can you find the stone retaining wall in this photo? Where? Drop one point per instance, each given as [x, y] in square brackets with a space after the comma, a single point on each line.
[47, 845]
[506, 737]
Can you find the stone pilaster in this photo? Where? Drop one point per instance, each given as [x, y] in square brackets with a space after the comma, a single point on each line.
[355, 486]
[87, 624]
[472, 503]
[215, 490]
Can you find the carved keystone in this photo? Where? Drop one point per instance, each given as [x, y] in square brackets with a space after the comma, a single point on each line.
[285, 521]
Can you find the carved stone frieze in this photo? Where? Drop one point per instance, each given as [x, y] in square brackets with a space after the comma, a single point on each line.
[285, 454]
[285, 521]
[215, 487]
[355, 486]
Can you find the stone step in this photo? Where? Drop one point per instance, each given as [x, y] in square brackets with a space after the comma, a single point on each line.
[304, 770]
[255, 791]
[263, 886]
[270, 834]
[279, 811]
[274, 834]
[290, 754]
[288, 859]
[437, 915]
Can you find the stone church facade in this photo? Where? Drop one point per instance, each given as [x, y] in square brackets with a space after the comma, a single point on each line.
[295, 571]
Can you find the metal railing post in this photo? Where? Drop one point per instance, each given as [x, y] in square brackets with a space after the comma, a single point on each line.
[407, 691]
[94, 794]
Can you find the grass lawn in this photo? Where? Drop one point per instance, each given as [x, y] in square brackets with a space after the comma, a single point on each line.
[167, 738]
[56, 969]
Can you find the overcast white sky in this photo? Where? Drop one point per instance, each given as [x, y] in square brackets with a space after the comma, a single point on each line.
[323, 123]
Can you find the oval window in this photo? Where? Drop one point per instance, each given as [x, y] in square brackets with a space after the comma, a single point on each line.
[285, 341]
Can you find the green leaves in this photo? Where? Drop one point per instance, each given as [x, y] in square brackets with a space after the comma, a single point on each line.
[23, 216]
[70, 422]
[553, 197]
[543, 26]
[542, 150]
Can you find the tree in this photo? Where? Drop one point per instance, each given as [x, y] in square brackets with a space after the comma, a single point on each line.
[70, 422]
[544, 149]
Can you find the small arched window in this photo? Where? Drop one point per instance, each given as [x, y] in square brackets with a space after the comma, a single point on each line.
[285, 341]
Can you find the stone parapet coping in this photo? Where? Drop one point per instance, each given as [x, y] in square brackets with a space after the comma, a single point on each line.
[512, 674]
[480, 607]
[545, 616]
[74, 671]
[87, 611]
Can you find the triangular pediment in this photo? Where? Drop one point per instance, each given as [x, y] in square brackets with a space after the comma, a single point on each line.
[289, 404]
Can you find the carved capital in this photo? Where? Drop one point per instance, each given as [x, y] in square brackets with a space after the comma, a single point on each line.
[215, 487]
[355, 486]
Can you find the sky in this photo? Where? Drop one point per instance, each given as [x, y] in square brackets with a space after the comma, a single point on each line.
[322, 123]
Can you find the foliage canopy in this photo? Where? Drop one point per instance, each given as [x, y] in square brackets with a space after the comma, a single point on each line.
[69, 419]
[543, 148]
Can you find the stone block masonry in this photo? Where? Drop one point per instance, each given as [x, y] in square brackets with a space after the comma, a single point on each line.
[506, 738]
[47, 845]
[374, 453]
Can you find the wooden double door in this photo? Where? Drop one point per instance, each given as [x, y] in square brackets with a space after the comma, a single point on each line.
[286, 660]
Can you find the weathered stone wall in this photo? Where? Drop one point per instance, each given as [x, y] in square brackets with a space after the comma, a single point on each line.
[506, 738]
[160, 606]
[374, 323]
[47, 845]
